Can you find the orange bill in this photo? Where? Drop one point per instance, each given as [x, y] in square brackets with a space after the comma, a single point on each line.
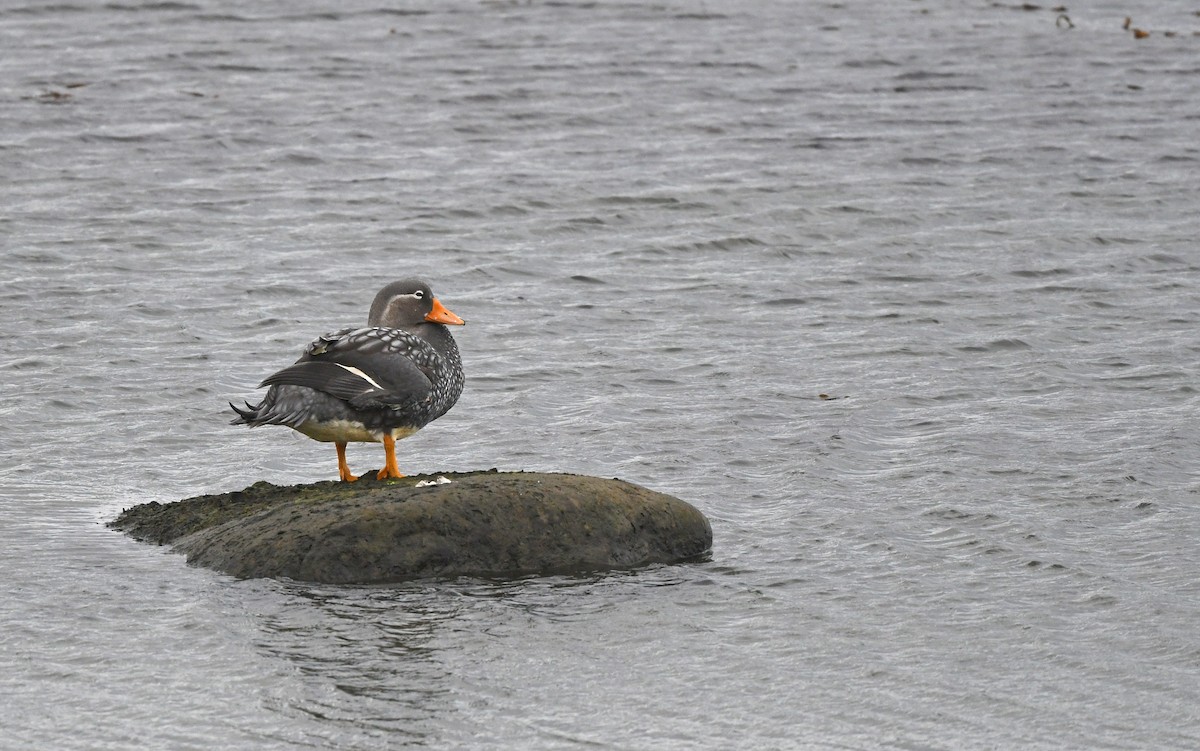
[440, 314]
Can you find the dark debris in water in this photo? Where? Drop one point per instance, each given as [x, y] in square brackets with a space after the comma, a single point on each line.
[57, 94]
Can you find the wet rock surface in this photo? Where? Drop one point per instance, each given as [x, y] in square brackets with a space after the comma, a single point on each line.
[487, 524]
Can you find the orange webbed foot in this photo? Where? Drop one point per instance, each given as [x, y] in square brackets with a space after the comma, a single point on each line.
[390, 471]
[343, 468]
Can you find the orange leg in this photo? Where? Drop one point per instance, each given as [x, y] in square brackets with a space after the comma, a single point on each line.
[389, 466]
[343, 467]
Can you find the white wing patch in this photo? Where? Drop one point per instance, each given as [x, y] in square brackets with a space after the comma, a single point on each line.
[361, 375]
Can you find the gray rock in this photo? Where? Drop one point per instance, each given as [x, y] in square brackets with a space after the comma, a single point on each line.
[487, 524]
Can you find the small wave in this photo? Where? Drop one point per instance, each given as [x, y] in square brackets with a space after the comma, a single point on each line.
[729, 243]
[1041, 273]
[634, 200]
[998, 345]
[871, 62]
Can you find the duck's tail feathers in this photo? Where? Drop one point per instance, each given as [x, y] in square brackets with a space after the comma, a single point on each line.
[250, 415]
[284, 405]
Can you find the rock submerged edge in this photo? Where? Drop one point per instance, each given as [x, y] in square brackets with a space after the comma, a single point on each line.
[484, 524]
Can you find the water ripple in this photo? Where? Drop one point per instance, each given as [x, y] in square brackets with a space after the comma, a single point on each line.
[909, 316]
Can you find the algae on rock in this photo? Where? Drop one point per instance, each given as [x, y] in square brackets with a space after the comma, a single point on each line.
[489, 524]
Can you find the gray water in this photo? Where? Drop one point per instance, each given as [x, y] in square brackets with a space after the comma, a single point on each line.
[903, 296]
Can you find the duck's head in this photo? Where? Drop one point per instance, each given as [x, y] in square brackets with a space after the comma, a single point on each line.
[406, 304]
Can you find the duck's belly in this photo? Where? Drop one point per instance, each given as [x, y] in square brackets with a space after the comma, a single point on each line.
[348, 431]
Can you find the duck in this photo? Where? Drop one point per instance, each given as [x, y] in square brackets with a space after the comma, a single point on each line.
[375, 384]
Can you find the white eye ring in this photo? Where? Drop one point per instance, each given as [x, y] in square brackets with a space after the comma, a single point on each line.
[419, 294]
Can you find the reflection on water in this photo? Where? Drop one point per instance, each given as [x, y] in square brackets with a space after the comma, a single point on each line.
[902, 297]
[398, 661]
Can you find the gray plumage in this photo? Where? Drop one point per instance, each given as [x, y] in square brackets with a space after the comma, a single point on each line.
[390, 378]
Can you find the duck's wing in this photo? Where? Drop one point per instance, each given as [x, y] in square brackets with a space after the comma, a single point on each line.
[369, 368]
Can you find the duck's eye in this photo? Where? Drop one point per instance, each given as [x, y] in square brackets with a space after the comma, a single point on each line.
[419, 294]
